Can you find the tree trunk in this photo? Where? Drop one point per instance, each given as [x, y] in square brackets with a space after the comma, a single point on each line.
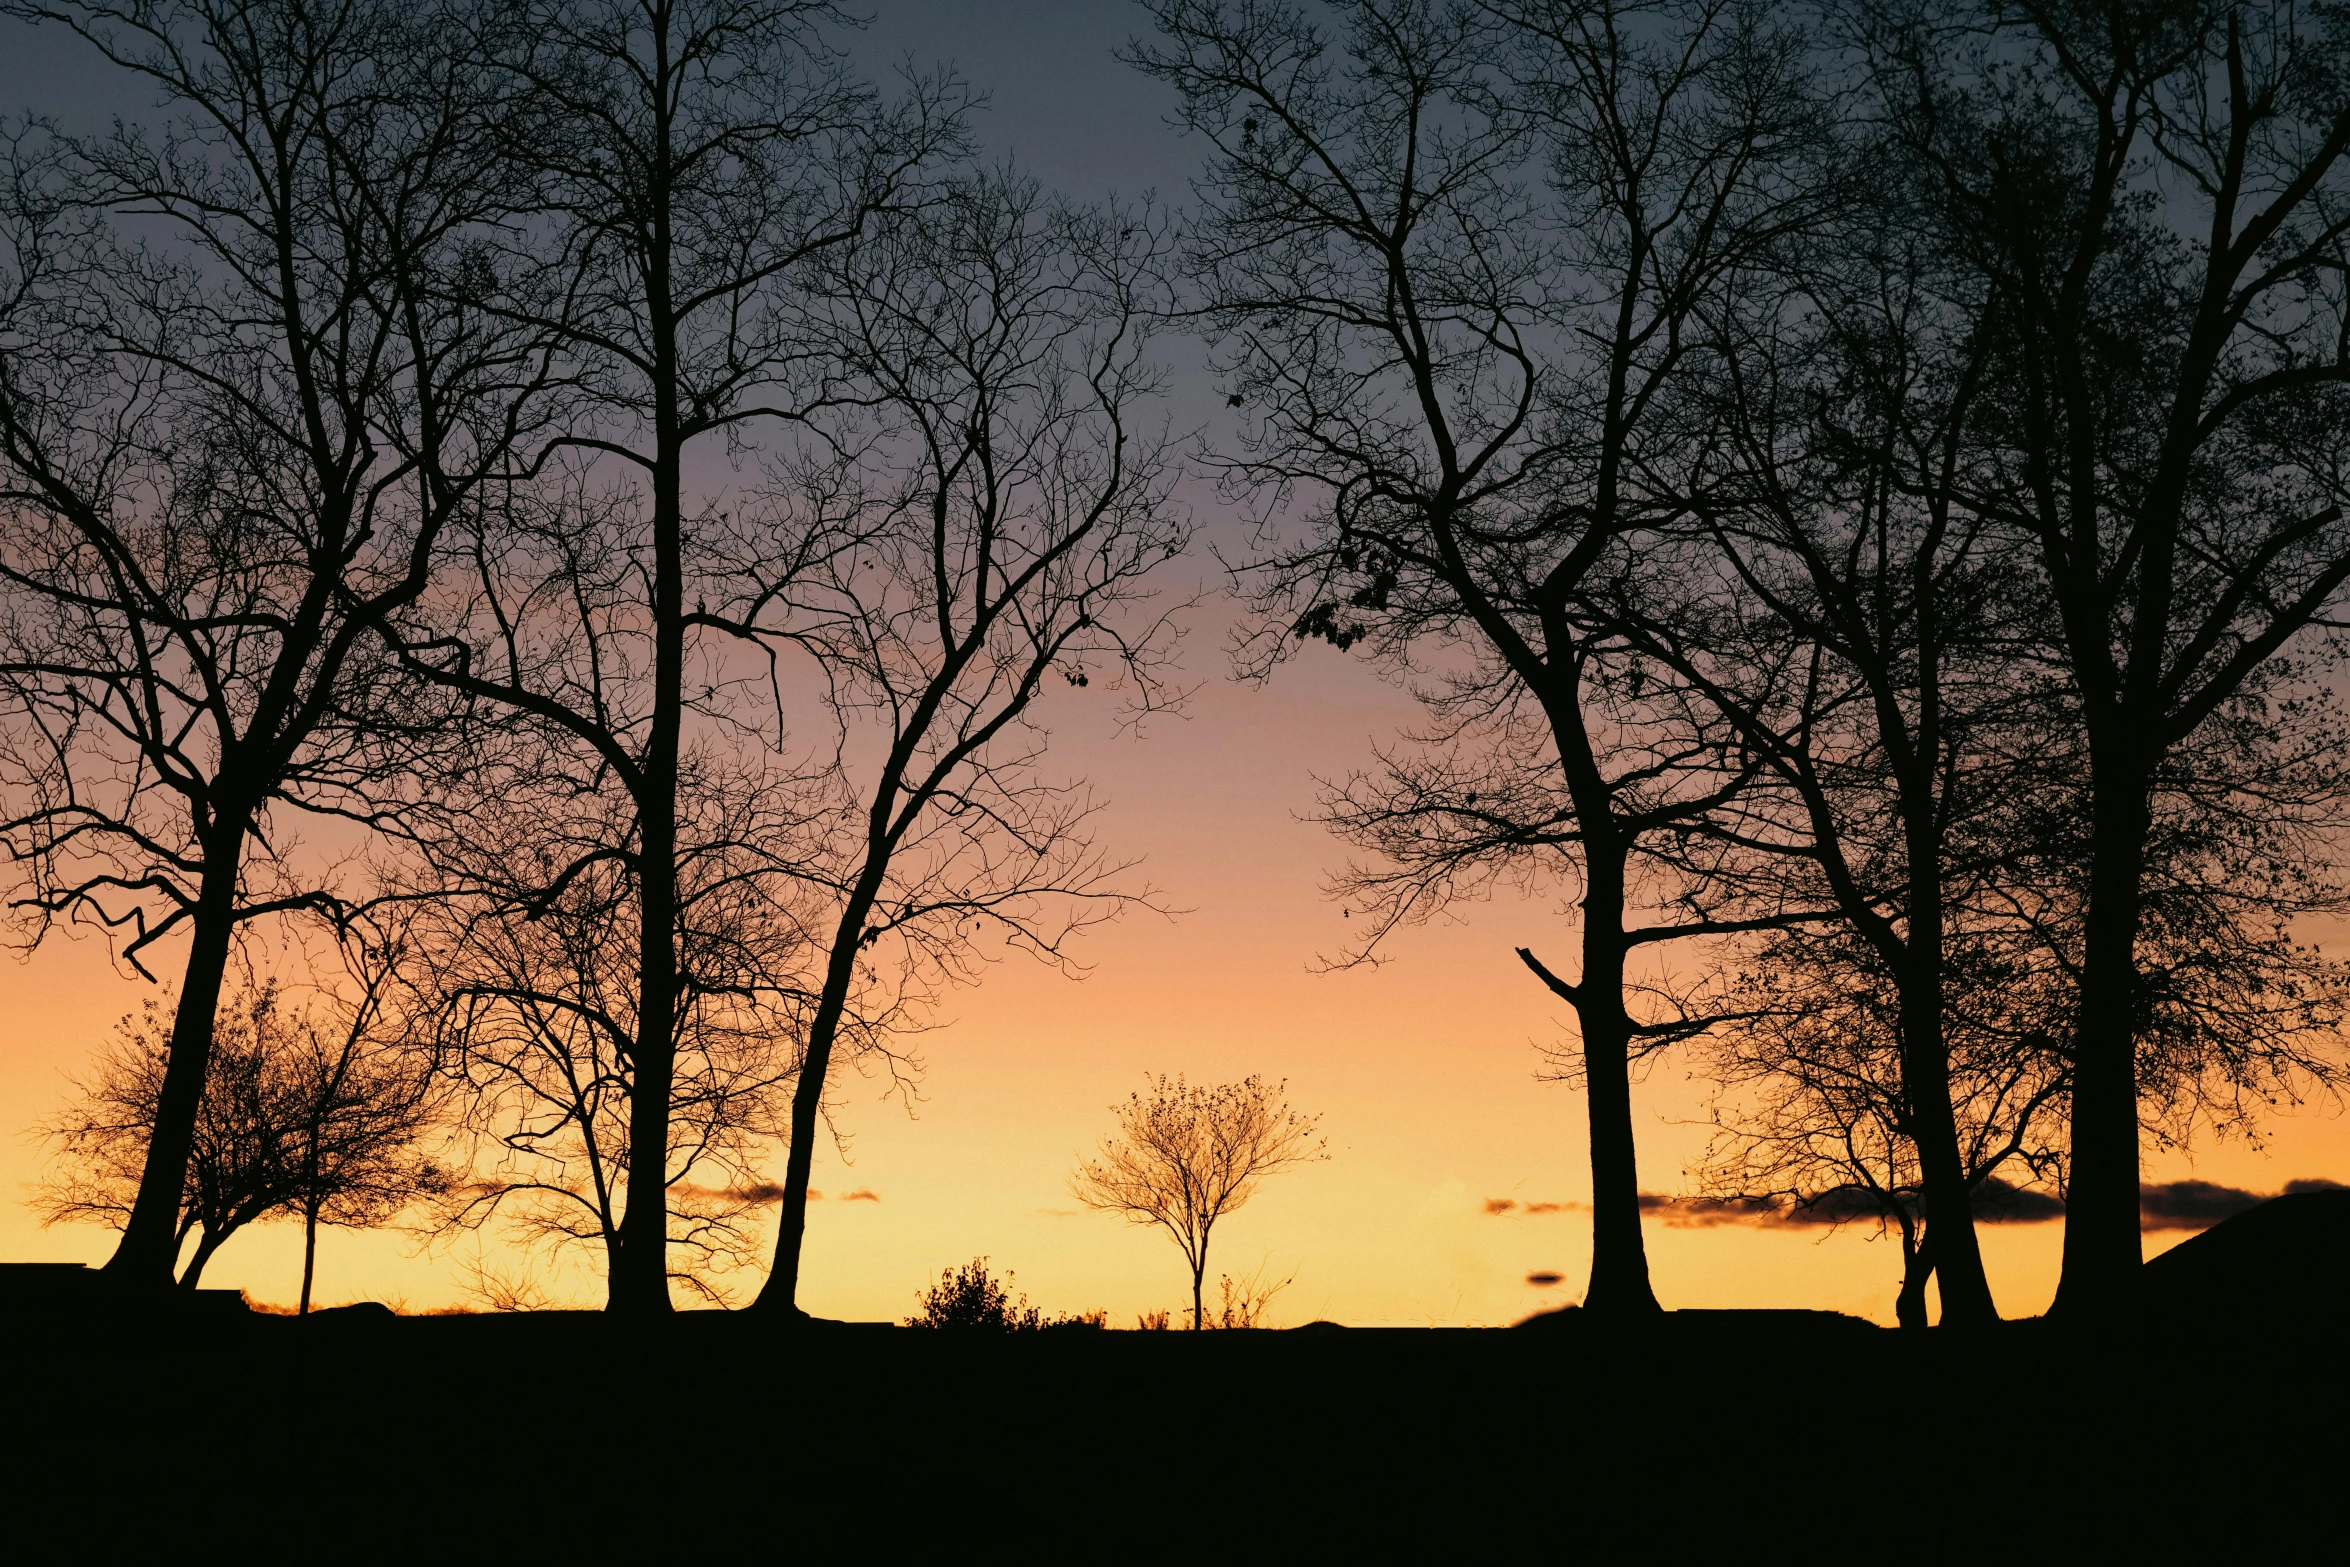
[309, 1253]
[206, 1244]
[640, 1278]
[2102, 1250]
[782, 1291]
[1925, 1080]
[1199, 1273]
[1619, 1251]
[1917, 1266]
[150, 1243]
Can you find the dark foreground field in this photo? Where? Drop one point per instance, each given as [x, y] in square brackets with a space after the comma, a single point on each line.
[448, 1438]
[2211, 1427]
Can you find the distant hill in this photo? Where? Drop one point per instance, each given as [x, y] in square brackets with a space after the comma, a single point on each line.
[2286, 1260]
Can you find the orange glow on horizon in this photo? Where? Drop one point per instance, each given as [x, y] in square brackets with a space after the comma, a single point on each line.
[1455, 1176]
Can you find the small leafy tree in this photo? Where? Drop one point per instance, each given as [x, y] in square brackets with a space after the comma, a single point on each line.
[971, 1298]
[1184, 1157]
[299, 1116]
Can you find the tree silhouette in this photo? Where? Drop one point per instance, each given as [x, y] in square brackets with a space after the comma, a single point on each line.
[247, 375]
[691, 160]
[533, 996]
[313, 1117]
[2141, 209]
[1012, 498]
[1183, 1157]
[1455, 258]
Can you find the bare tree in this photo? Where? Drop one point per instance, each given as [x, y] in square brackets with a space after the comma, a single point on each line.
[1465, 370]
[1819, 1108]
[1183, 1157]
[1869, 642]
[692, 157]
[1013, 509]
[360, 1095]
[232, 425]
[302, 1115]
[534, 1000]
[2148, 201]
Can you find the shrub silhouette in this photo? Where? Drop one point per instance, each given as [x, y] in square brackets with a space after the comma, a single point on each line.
[970, 1299]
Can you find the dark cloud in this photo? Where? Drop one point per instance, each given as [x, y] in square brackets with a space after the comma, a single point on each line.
[1545, 1279]
[862, 1195]
[1706, 1212]
[2000, 1203]
[757, 1192]
[2174, 1205]
[1839, 1205]
[1995, 1201]
[2192, 1205]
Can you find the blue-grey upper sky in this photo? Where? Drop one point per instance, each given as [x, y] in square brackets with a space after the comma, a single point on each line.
[1060, 102]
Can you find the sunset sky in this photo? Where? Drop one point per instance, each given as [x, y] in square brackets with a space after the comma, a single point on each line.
[1427, 1071]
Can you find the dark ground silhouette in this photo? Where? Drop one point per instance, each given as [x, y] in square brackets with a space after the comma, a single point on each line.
[2215, 1424]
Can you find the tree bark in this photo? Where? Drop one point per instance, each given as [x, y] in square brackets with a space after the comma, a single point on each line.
[2102, 1248]
[206, 1245]
[1925, 1078]
[781, 1292]
[1909, 1308]
[640, 1275]
[1619, 1251]
[149, 1248]
[309, 1253]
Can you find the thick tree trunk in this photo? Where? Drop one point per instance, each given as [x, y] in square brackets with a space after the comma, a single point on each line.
[149, 1248]
[1619, 1251]
[640, 1272]
[2102, 1250]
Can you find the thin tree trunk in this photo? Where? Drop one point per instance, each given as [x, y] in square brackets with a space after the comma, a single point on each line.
[640, 1279]
[1925, 1081]
[150, 1242]
[2102, 1249]
[206, 1245]
[1199, 1273]
[309, 1253]
[781, 1292]
[1909, 1309]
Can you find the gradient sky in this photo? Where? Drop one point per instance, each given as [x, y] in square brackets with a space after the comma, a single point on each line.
[1426, 1071]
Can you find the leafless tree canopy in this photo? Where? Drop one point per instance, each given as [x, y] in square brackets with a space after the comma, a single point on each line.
[1184, 1157]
